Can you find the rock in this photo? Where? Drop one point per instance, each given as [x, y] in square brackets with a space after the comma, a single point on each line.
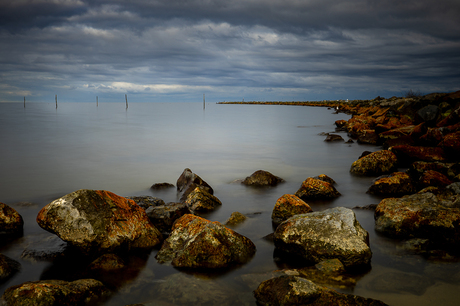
[99, 221]
[434, 178]
[451, 145]
[330, 266]
[333, 137]
[107, 263]
[56, 292]
[368, 137]
[163, 216]
[147, 201]
[398, 282]
[287, 206]
[46, 248]
[408, 154]
[341, 124]
[11, 222]
[313, 188]
[395, 184]
[317, 236]
[433, 136]
[424, 215]
[375, 164]
[198, 243]
[8, 267]
[325, 178]
[199, 200]
[262, 178]
[428, 114]
[295, 290]
[417, 169]
[187, 182]
[235, 219]
[397, 133]
[161, 186]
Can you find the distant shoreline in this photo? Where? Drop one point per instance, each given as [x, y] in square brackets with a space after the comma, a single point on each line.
[326, 103]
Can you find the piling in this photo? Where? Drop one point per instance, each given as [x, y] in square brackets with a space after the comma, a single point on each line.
[24, 102]
[126, 99]
[204, 103]
[55, 97]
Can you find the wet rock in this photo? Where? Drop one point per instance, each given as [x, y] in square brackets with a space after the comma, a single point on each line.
[397, 133]
[428, 114]
[451, 145]
[398, 282]
[313, 188]
[11, 222]
[341, 124]
[434, 178]
[395, 184]
[408, 154]
[333, 137]
[99, 221]
[45, 248]
[433, 136]
[56, 292]
[147, 201]
[295, 290]
[375, 164]
[262, 178]
[417, 169]
[198, 243]
[235, 219]
[368, 137]
[424, 215]
[287, 206]
[199, 200]
[187, 182]
[8, 267]
[317, 236]
[107, 263]
[330, 266]
[161, 186]
[325, 178]
[163, 216]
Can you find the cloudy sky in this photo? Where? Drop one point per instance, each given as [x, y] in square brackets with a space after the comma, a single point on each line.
[267, 50]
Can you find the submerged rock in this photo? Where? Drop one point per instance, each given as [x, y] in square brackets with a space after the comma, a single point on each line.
[199, 243]
[160, 186]
[11, 222]
[317, 236]
[262, 178]
[375, 164]
[287, 206]
[313, 188]
[199, 200]
[187, 182]
[333, 137]
[99, 221]
[56, 292]
[235, 219]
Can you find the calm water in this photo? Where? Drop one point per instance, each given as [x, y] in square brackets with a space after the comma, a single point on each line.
[47, 153]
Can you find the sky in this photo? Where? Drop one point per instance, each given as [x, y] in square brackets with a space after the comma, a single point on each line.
[252, 50]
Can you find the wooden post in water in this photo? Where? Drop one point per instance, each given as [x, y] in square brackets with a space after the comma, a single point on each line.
[97, 101]
[126, 98]
[55, 97]
[24, 102]
[204, 103]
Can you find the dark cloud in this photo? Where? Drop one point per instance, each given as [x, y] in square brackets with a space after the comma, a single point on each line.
[262, 49]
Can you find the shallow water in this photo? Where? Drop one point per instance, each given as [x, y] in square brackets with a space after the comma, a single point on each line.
[48, 152]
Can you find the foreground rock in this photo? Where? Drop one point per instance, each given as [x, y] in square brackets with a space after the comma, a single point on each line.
[56, 292]
[313, 188]
[187, 182]
[426, 215]
[262, 178]
[317, 236]
[8, 267]
[199, 200]
[99, 221]
[294, 290]
[198, 243]
[287, 206]
[11, 223]
[146, 201]
[395, 184]
[375, 164]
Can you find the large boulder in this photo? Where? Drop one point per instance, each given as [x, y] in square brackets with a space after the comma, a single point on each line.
[56, 293]
[262, 178]
[164, 216]
[199, 243]
[424, 215]
[375, 164]
[11, 222]
[317, 236]
[313, 188]
[287, 206]
[187, 182]
[295, 290]
[395, 184]
[99, 221]
[199, 201]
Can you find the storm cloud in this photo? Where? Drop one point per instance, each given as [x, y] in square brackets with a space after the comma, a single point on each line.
[178, 50]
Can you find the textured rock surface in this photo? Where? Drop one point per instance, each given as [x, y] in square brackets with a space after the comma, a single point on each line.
[56, 293]
[395, 184]
[187, 182]
[317, 236]
[199, 200]
[8, 267]
[408, 154]
[11, 222]
[147, 201]
[163, 216]
[99, 221]
[287, 206]
[235, 219]
[375, 164]
[199, 243]
[262, 178]
[313, 188]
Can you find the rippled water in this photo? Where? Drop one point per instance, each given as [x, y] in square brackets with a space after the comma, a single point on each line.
[48, 152]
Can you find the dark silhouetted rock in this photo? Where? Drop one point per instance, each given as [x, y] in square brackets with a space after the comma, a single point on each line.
[11, 223]
[287, 206]
[8, 267]
[408, 154]
[187, 182]
[313, 188]
[434, 178]
[375, 164]
[262, 178]
[428, 114]
[163, 216]
[161, 186]
[99, 221]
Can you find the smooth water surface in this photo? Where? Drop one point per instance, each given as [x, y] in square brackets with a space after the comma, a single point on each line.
[48, 152]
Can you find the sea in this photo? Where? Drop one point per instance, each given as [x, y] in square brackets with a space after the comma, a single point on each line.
[48, 151]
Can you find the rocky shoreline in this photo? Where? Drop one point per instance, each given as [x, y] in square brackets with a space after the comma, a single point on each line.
[421, 206]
